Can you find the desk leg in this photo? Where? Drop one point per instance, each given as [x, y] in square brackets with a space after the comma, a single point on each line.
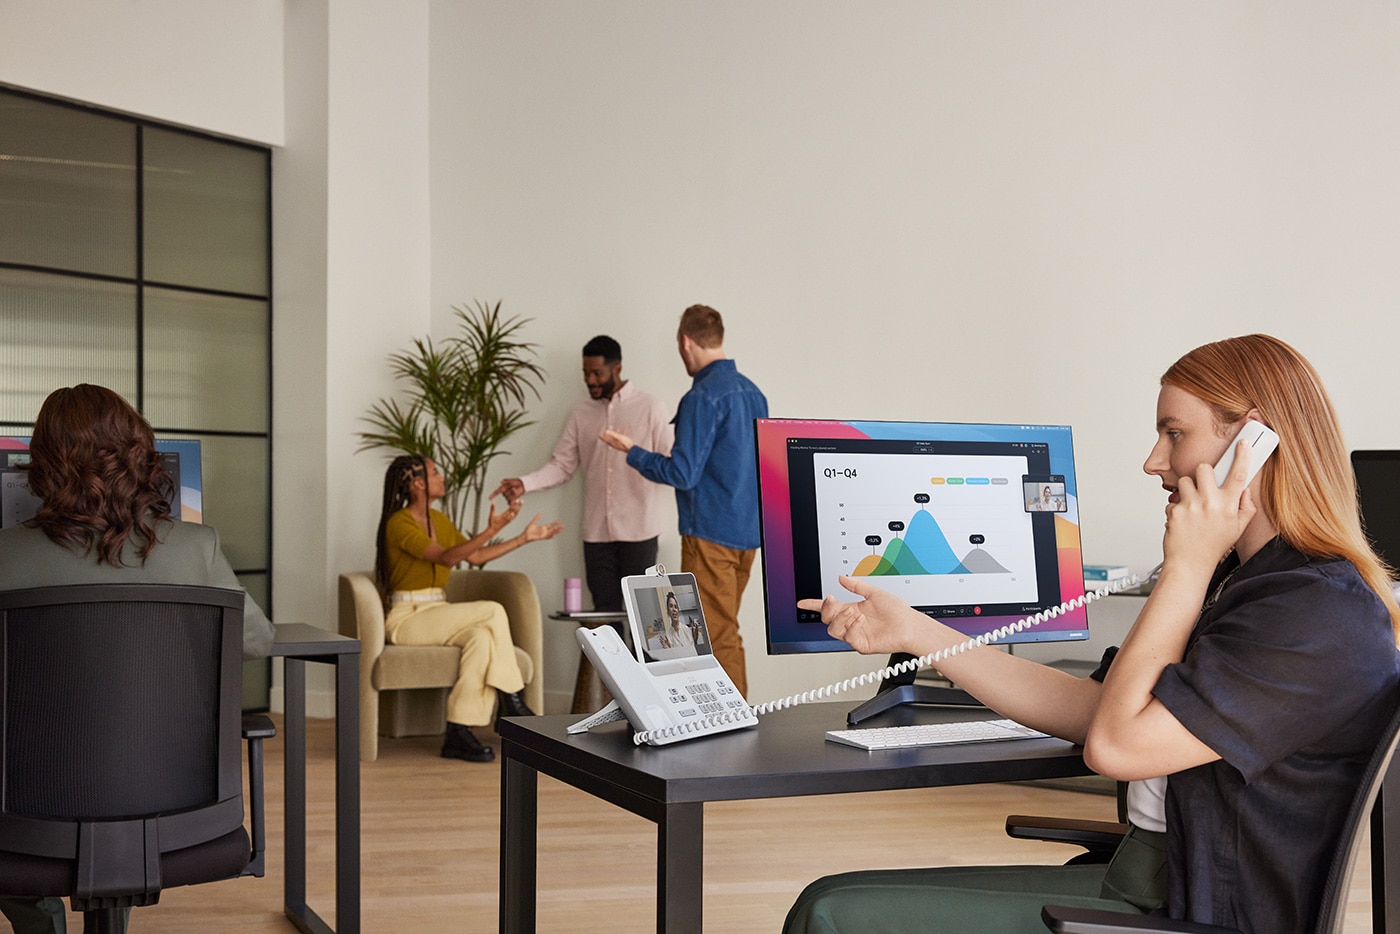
[294, 788]
[347, 793]
[347, 797]
[519, 836]
[1385, 856]
[680, 869]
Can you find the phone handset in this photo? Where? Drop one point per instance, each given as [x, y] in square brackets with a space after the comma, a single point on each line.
[635, 692]
[1261, 441]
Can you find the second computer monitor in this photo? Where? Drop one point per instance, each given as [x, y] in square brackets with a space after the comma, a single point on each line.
[1377, 485]
[182, 461]
[976, 525]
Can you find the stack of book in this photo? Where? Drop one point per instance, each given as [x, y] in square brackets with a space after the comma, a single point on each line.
[1098, 576]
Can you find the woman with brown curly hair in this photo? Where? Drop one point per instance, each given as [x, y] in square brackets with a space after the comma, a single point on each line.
[105, 513]
[105, 518]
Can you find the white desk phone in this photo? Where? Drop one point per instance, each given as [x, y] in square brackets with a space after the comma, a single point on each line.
[677, 689]
[673, 688]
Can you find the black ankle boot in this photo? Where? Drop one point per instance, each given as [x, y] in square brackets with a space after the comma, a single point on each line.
[461, 743]
[511, 705]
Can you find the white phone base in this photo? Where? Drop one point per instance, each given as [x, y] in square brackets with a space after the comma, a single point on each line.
[665, 704]
[609, 714]
[1261, 441]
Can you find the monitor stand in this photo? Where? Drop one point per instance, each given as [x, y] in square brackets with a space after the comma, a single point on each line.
[902, 690]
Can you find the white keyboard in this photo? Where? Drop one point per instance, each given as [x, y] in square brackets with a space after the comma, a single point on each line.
[933, 734]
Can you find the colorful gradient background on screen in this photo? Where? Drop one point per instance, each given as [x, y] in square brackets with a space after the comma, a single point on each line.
[786, 635]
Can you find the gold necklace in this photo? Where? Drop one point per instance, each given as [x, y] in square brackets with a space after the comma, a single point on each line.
[1215, 595]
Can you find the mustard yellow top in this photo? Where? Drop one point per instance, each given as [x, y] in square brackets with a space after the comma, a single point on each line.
[405, 543]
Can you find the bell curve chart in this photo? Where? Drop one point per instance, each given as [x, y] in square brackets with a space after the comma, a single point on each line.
[934, 529]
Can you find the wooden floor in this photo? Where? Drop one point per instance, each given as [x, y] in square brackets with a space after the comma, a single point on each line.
[430, 854]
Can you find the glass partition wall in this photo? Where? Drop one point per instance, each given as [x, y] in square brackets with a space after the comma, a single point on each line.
[138, 256]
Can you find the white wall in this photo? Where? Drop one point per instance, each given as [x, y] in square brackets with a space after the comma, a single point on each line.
[206, 64]
[353, 254]
[997, 211]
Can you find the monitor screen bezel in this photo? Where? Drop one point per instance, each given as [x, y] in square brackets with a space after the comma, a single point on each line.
[786, 634]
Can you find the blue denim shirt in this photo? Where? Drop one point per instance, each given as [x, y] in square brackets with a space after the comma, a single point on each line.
[713, 464]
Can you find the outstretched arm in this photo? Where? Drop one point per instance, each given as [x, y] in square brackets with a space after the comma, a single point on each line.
[463, 551]
[534, 532]
[695, 427]
[1041, 697]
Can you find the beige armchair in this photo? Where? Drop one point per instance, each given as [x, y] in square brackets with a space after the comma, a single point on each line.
[403, 688]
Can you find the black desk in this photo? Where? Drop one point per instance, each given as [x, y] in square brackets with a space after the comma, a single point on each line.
[297, 644]
[786, 755]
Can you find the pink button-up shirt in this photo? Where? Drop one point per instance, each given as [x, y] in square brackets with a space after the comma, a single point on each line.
[619, 504]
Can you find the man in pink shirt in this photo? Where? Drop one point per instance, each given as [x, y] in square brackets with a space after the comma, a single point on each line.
[621, 508]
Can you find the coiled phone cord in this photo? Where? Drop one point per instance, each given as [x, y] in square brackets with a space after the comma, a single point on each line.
[913, 664]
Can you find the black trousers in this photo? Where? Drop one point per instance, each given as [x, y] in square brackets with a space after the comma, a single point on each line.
[607, 563]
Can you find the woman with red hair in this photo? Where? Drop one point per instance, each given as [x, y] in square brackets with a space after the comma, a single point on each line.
[1257, 679]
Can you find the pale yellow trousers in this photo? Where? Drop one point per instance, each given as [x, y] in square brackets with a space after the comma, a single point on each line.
[481, 630]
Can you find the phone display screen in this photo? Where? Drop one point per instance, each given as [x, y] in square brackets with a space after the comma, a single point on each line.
[666, 618]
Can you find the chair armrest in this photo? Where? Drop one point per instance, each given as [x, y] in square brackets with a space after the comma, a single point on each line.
[361, 615]
[256, 728]
[1093, 835]
[1066, 920]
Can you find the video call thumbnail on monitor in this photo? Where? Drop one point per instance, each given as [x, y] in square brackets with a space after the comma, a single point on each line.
[974, 524]
[182, 460]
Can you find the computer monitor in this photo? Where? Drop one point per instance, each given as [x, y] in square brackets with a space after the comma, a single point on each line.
[1377, 486]
[182, 460]
[976, 525]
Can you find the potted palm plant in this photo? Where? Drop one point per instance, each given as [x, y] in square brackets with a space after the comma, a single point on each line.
[463, 398]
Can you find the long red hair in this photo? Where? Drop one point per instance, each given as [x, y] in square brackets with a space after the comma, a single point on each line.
[1308, 489]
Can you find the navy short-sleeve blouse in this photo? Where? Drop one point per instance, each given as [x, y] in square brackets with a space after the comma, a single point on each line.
[1290, 674]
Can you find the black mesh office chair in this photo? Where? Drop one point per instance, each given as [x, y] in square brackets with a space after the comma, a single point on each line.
[1332, 914]
[120, 764]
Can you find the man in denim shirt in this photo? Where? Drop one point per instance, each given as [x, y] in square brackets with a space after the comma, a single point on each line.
[713, 467]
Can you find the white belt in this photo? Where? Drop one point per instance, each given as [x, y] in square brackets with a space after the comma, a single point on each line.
[431, 595]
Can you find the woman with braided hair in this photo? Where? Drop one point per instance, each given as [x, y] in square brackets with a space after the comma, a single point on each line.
[415, 549]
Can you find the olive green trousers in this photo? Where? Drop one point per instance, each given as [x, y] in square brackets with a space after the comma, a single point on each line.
[981, 899]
